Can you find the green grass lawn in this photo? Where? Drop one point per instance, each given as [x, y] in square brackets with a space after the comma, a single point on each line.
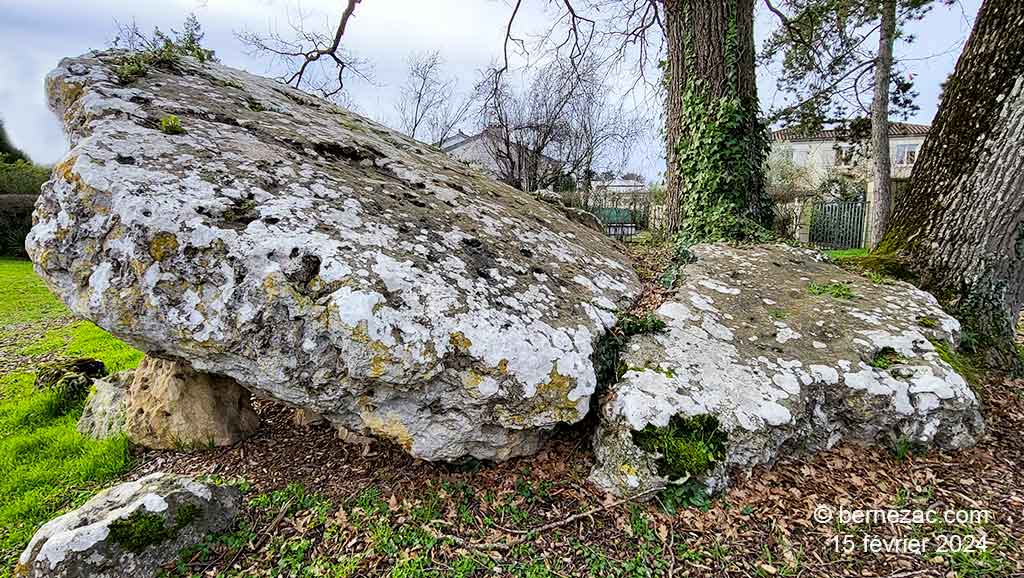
[23, 297]
[46, 466]
[841, 254]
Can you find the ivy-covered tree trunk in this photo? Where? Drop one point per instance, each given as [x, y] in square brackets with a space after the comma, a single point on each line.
[960, 226]
[716, 145]
[882, 194]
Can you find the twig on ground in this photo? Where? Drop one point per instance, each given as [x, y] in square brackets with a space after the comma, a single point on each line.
[266, 533]
[540, 529]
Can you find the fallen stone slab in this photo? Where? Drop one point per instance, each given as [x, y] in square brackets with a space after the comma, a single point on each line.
[770, 351]
[129, 530]
[320, 259]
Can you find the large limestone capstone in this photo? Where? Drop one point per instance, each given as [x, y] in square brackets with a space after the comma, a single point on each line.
[789, 354]
[321, 259]
[170, 406]
[129, 530]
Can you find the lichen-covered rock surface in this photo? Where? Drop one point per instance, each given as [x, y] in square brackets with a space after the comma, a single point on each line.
[321, 259]
[129, 530]
[790, 354]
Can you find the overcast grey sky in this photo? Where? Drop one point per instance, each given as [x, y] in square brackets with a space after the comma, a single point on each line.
[35, 34]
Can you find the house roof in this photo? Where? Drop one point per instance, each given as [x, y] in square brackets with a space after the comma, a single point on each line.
[462, 139]
[895, 129]
[619, 183]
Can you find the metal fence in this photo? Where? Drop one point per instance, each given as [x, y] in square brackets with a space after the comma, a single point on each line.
[619, 223]
[838, 224]
[623, 214]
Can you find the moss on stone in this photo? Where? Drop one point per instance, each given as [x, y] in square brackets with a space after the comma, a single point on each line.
[927, 322]
[607, 363]
[143, 529]
[882, 265]
[186, 514]
[835, 290]
[885, 358]
[686, 446]
[961, 363]
[139, 531]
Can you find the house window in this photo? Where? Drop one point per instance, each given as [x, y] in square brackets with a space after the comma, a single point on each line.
[844, 156]
[906, 154]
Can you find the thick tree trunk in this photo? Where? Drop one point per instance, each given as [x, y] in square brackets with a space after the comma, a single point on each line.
[960, 227]
[882, 194]
[711, 50]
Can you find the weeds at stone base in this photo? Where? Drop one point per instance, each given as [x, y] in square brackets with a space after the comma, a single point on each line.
[688, 446]
[608, 365]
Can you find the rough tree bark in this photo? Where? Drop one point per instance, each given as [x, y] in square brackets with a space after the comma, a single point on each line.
[960, 227]
[710, 42]
[882, 195]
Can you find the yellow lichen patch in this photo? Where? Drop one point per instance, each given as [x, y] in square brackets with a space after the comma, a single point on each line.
[87, 196]
[378, 365]
[360, 334]
[43, 258]
[64, 171]
[503, 367]
[471, 379]
[389, 427]
[380, 361]
[270, 285]
[460, 341]
[70, 92]
[163, 245]
[138, 267]
[553, 396]
[627, 470]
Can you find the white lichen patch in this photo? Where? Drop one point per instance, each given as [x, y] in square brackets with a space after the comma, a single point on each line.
[802, 392]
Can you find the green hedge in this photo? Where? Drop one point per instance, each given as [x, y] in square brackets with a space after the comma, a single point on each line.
[19, 187]
[21, 178]
[15, 221]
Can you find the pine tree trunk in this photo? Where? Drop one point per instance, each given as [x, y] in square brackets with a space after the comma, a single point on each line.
[711, 41]
[960, 227]
[882, 194]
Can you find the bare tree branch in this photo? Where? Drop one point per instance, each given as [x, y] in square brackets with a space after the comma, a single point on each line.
[427, 100]
[311, 50]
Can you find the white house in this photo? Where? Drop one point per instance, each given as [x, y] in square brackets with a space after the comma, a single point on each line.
[479, 150]
[473, 149]
[823, 152]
